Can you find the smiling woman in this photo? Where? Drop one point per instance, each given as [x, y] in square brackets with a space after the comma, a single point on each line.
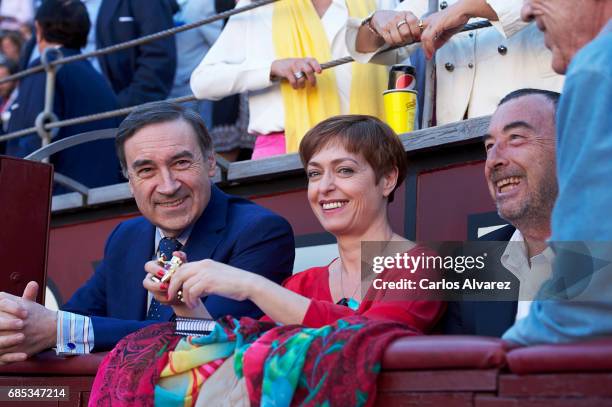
[354, 164]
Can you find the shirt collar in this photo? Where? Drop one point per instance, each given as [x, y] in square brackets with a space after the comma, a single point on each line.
[182, 238]
[515, 257]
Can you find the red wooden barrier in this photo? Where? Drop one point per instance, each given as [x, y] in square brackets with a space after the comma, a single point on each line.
[448, 371]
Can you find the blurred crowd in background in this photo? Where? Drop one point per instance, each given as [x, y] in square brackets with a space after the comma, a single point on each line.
[147, 73]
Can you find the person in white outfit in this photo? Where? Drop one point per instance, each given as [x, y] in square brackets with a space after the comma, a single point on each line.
[474, 70]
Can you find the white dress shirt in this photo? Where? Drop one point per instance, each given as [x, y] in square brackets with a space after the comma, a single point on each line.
[531, 273]
[93, 9]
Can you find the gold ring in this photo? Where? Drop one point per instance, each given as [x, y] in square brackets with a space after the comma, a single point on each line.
[401, 23]
[420, 25]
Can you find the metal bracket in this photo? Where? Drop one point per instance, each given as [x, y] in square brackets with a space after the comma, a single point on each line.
[47, 116]
[41, 120]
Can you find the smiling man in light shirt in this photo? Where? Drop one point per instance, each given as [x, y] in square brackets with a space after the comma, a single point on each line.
[520, 173]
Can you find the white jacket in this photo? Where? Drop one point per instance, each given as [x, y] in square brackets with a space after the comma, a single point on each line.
[475, 70]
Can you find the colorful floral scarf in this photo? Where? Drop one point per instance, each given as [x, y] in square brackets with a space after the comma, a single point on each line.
[335, 365]
[128, 374]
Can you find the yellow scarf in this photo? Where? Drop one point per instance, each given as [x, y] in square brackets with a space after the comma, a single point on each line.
[298, 32]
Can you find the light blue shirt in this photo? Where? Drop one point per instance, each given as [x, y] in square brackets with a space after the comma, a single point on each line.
[192, 45]
[583, 207]
[93, 8]
[74, 334]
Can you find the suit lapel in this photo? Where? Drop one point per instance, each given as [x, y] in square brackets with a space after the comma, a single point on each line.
[140, 251]
[205, 235]
[104, 19]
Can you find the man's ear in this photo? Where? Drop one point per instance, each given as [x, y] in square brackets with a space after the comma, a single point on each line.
[212, 165]
[389, 181]
[129, 180]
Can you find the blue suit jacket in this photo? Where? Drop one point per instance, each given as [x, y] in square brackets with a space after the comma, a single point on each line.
[80, 90]
[231, 230]
[485, 318]
[146, 72]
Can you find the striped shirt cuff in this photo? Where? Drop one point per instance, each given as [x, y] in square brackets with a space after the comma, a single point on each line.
[74, 334]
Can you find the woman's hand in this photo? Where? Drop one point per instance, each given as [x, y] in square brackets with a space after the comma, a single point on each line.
[201, 278]
[396, 27]
[296, 70]
[441, 26]
[159, 291]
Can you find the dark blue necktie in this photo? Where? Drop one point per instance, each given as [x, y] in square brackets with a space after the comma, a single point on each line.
[166, 247]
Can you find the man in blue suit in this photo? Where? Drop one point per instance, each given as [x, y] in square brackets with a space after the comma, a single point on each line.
[167, 156]
[79, 91]
[143, 73]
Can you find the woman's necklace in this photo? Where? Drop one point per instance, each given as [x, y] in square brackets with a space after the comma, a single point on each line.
[350, 302]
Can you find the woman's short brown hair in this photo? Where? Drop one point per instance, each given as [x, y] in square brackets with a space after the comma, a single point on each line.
[359, 134]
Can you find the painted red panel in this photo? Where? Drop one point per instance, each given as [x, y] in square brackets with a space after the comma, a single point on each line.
[74, 249]
[438, 380]
[293, 206]
[445, 197]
